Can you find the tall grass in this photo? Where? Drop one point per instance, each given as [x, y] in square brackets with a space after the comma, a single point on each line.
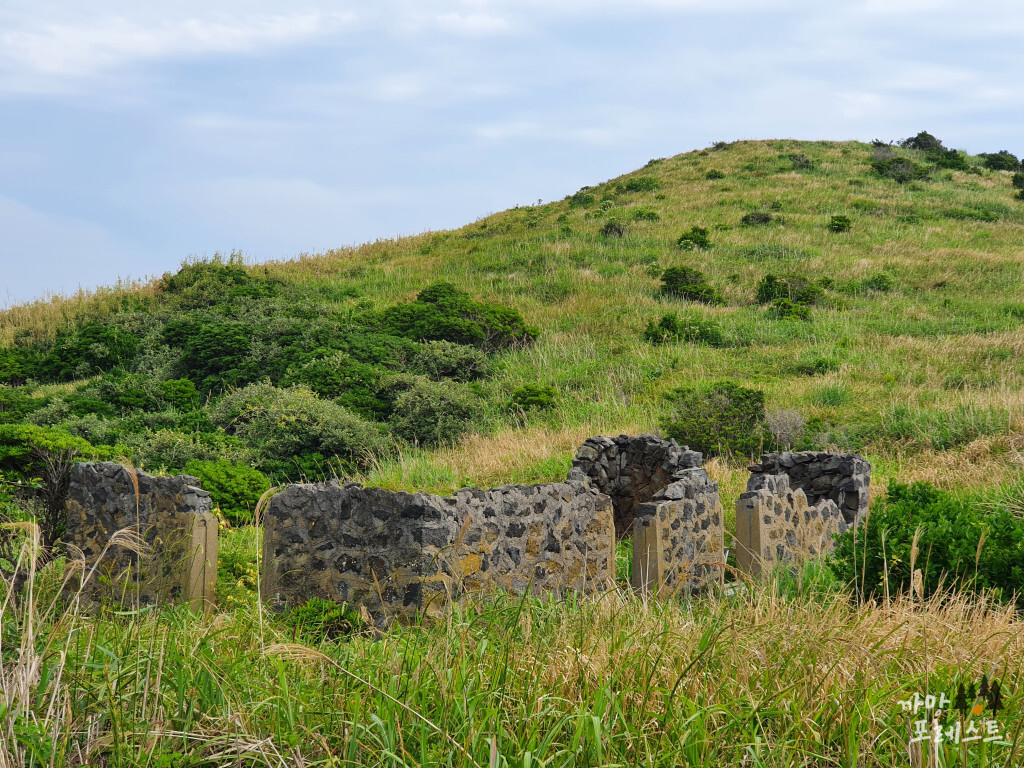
[787, 673]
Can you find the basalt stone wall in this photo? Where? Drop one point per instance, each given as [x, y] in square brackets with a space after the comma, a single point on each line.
[775, 523]
[843, 478]
[631, 470]
[678, 537]
[172, 514]
[398, 553]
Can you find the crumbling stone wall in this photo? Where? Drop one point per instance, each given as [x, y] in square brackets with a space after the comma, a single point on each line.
[172, 514]
[843, 478]
[679, 537]
[396, 553]
[795, 504]
[632, 470]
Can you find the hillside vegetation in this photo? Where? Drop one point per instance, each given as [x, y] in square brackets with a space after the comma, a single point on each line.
[749, 296]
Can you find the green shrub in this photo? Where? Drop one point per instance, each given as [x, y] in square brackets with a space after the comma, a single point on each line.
[582, 199]
[643, 213]
[534, 396]
[16, 403]
[773, 252]
[714, 175]
[432, 413]
[440, 360]
[971, 213]
[839, 224]
[757, 219]
[694, 237]
[613, 228]
[320, 620]
[689, 328]
[443, 313]
[235, 488]
[814, 362]
[801, 162]
[180, 393]
[690, 284]
[345, 380]
[924, 142]
[717, 419]
[900, 170]
[1001, 161]
[20, 364]
[1018, 180]
[949, 543]
[795, 288]
[88, 349]
[639, 184]
[880, 282]
[203, 284]
[785, 309]
[281, 424]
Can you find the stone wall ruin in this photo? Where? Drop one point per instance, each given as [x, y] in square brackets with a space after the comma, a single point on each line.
[795, 503]
[172, 515]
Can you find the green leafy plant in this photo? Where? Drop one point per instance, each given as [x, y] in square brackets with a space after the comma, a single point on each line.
[534, 396]
[234, 488]
[757, 219]
[950, 540]
[431, 413]
[714, 175]
[317, 620]
[693, 238]
[900, 169]
[639, 184]
[717, 419]
[786, 309]
[613, 228]
[689, 328]
[839, 224]
[1001, 161]
[1018, 180]
[690, 284]
[791, 287]
[880, 282]
[644, 213]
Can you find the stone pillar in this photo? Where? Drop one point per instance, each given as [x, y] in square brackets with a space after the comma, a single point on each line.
[843, 478]
[171, 514]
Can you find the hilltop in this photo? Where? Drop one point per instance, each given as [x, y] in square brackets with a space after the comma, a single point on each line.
[889, 322]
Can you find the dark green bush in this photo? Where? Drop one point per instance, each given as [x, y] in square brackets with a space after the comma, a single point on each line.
[690, 284]
[1018, 180]
[534, 396]
[443, 313]
[19, 364]
[1001, 161]
[320, 620]
[235, 488]
[757, 219]
[613, 228]
[207, 283]
[89, 349]
[951, 531]
[839, 224]
[440, 360]
[785, 309]
[432, 413]
[717, 419]
[694, 237]
[714, 175]
[582, 199]
[345, 380]
[643, 213]
[801, 162]
[180, 393]
[16, 403]
[795, 288]
[639, 184]
[689, 328]
[881, 283]
[900, 170]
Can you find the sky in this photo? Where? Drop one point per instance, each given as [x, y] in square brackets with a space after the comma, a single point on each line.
[134, 136]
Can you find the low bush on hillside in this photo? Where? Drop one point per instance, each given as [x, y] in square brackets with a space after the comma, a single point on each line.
[936, 153]
[757, 219]
[534, 397]
[718, 419]
[816, 362]
[839, 224]
[791, 287]
[952, 542]
[881, 282]
[689, 328]
[714, 175]
[785, 309]
[432, 413]
[639, 184]
[900, 170]
[1001, 161]
[234, 488]
[801, 162]
[582, 199]
[694, 238]
[1018, 180]
[613, 228]
[643, 213]
[690, 284]
[439, 360]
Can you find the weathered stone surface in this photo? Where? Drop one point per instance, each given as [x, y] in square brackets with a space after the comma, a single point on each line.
[398, 553]
[679, 537]
[172, 515]
[631, 470]
[795, 504]
[843, 478]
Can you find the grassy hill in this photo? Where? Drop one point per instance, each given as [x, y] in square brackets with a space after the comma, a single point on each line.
[911, 355]
[872, 295]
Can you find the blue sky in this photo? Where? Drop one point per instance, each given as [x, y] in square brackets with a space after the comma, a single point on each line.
[135, 135]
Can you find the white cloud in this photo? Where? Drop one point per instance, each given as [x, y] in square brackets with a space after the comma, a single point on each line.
[473, 24]
[73, 50]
